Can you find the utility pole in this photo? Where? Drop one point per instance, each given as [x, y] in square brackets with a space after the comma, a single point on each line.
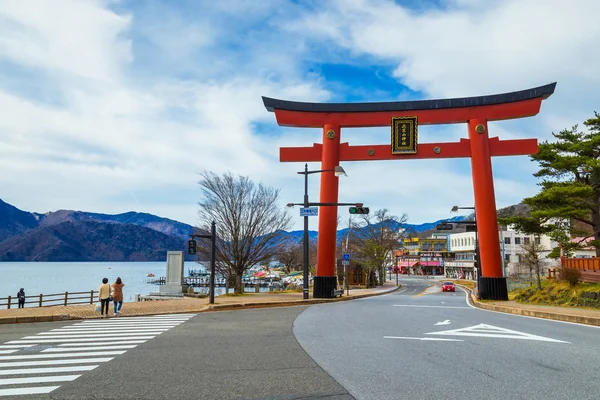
[346, 251]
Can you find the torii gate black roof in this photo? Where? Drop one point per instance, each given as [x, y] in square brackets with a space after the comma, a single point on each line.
[522, 95]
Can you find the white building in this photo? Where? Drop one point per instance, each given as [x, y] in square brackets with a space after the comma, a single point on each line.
[462, 246]
[511, 242]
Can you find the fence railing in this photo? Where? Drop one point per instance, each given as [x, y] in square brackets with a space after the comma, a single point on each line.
[58, 299]
[592, 263]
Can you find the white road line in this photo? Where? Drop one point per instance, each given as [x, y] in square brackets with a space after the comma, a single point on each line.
[65, 349]
[102, 339]
[96, 344]
[38, 379]
[90, 354]
[93, 335]
[15, 346]
[123, 325]
[130, 321]
[417, 306]
[423, 339]
[8, 351]
[27, 390]
[92, 330]
[54, 362]
[53, 370]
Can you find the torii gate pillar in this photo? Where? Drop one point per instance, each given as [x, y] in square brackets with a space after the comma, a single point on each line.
[474, 111]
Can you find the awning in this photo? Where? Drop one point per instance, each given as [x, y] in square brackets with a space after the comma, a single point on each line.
[429, 263]
[408, 263]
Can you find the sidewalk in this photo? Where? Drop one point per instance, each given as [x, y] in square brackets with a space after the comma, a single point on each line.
[185, 305]
[586, 316]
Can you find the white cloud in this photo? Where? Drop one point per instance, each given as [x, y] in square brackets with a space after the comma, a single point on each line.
[144, 99]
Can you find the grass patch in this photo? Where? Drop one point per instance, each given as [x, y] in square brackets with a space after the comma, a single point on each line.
[464, 282]
[559, 293]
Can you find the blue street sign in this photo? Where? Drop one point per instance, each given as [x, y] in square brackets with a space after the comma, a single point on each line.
[309, 211]
[346, 256]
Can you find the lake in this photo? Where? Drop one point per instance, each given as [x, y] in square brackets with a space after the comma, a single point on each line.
[60, 277]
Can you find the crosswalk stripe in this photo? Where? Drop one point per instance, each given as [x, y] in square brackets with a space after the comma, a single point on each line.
[89, 354]
[54, 362]
[95, 344]
[126, 324]
[38, 379]
[27, 390]
[54, 370]
[132, 320]
[102, 339]
[62, 354]
[64, 349]
[123, 329]
[92, 335]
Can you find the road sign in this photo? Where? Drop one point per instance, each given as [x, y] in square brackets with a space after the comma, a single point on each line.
[309, 211]
[346, 256]
[344, 262]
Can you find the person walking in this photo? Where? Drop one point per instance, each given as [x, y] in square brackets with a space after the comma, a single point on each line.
[104, 297]
[117, 288]
[21, 297]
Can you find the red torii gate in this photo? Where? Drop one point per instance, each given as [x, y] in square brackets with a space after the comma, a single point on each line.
[475, 111]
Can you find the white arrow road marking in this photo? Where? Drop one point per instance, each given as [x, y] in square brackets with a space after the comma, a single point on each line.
[446, 322]
[483, 330]
[424, 339]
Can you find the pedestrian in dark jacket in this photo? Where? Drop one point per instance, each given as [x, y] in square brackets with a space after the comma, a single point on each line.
[21, 297]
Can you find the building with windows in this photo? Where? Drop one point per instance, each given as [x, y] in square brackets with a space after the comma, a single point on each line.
[512, 243]
[423, 256]
[461, 261]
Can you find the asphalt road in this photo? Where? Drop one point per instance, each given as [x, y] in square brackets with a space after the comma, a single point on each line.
[417, 343]
[423, 344]
[245, 354]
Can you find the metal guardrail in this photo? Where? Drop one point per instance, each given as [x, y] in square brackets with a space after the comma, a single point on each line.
[42, 300]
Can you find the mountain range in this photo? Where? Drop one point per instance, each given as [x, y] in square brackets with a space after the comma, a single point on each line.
[68, 235]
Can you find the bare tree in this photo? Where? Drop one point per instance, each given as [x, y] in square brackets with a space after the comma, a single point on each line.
[531, 258]
[248, 219]
[290, 256]
[374, 238]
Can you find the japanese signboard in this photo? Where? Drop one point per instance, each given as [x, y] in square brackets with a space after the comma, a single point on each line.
[404, 135]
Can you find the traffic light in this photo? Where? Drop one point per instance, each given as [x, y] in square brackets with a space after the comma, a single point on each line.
[359, 210]
[192, 247]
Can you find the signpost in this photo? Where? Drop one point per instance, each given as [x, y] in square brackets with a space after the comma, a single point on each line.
[309, 212]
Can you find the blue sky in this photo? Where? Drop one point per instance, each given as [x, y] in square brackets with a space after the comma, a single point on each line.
[112, 106]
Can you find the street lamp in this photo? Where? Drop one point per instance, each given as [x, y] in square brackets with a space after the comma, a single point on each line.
[338, 171]
[477, 258]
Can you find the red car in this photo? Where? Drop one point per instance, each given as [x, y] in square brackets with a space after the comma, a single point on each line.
[448, 287]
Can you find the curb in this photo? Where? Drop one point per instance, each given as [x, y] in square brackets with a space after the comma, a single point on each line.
[224, 307]
[212, 307]
[532, 313]
[39, 318]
